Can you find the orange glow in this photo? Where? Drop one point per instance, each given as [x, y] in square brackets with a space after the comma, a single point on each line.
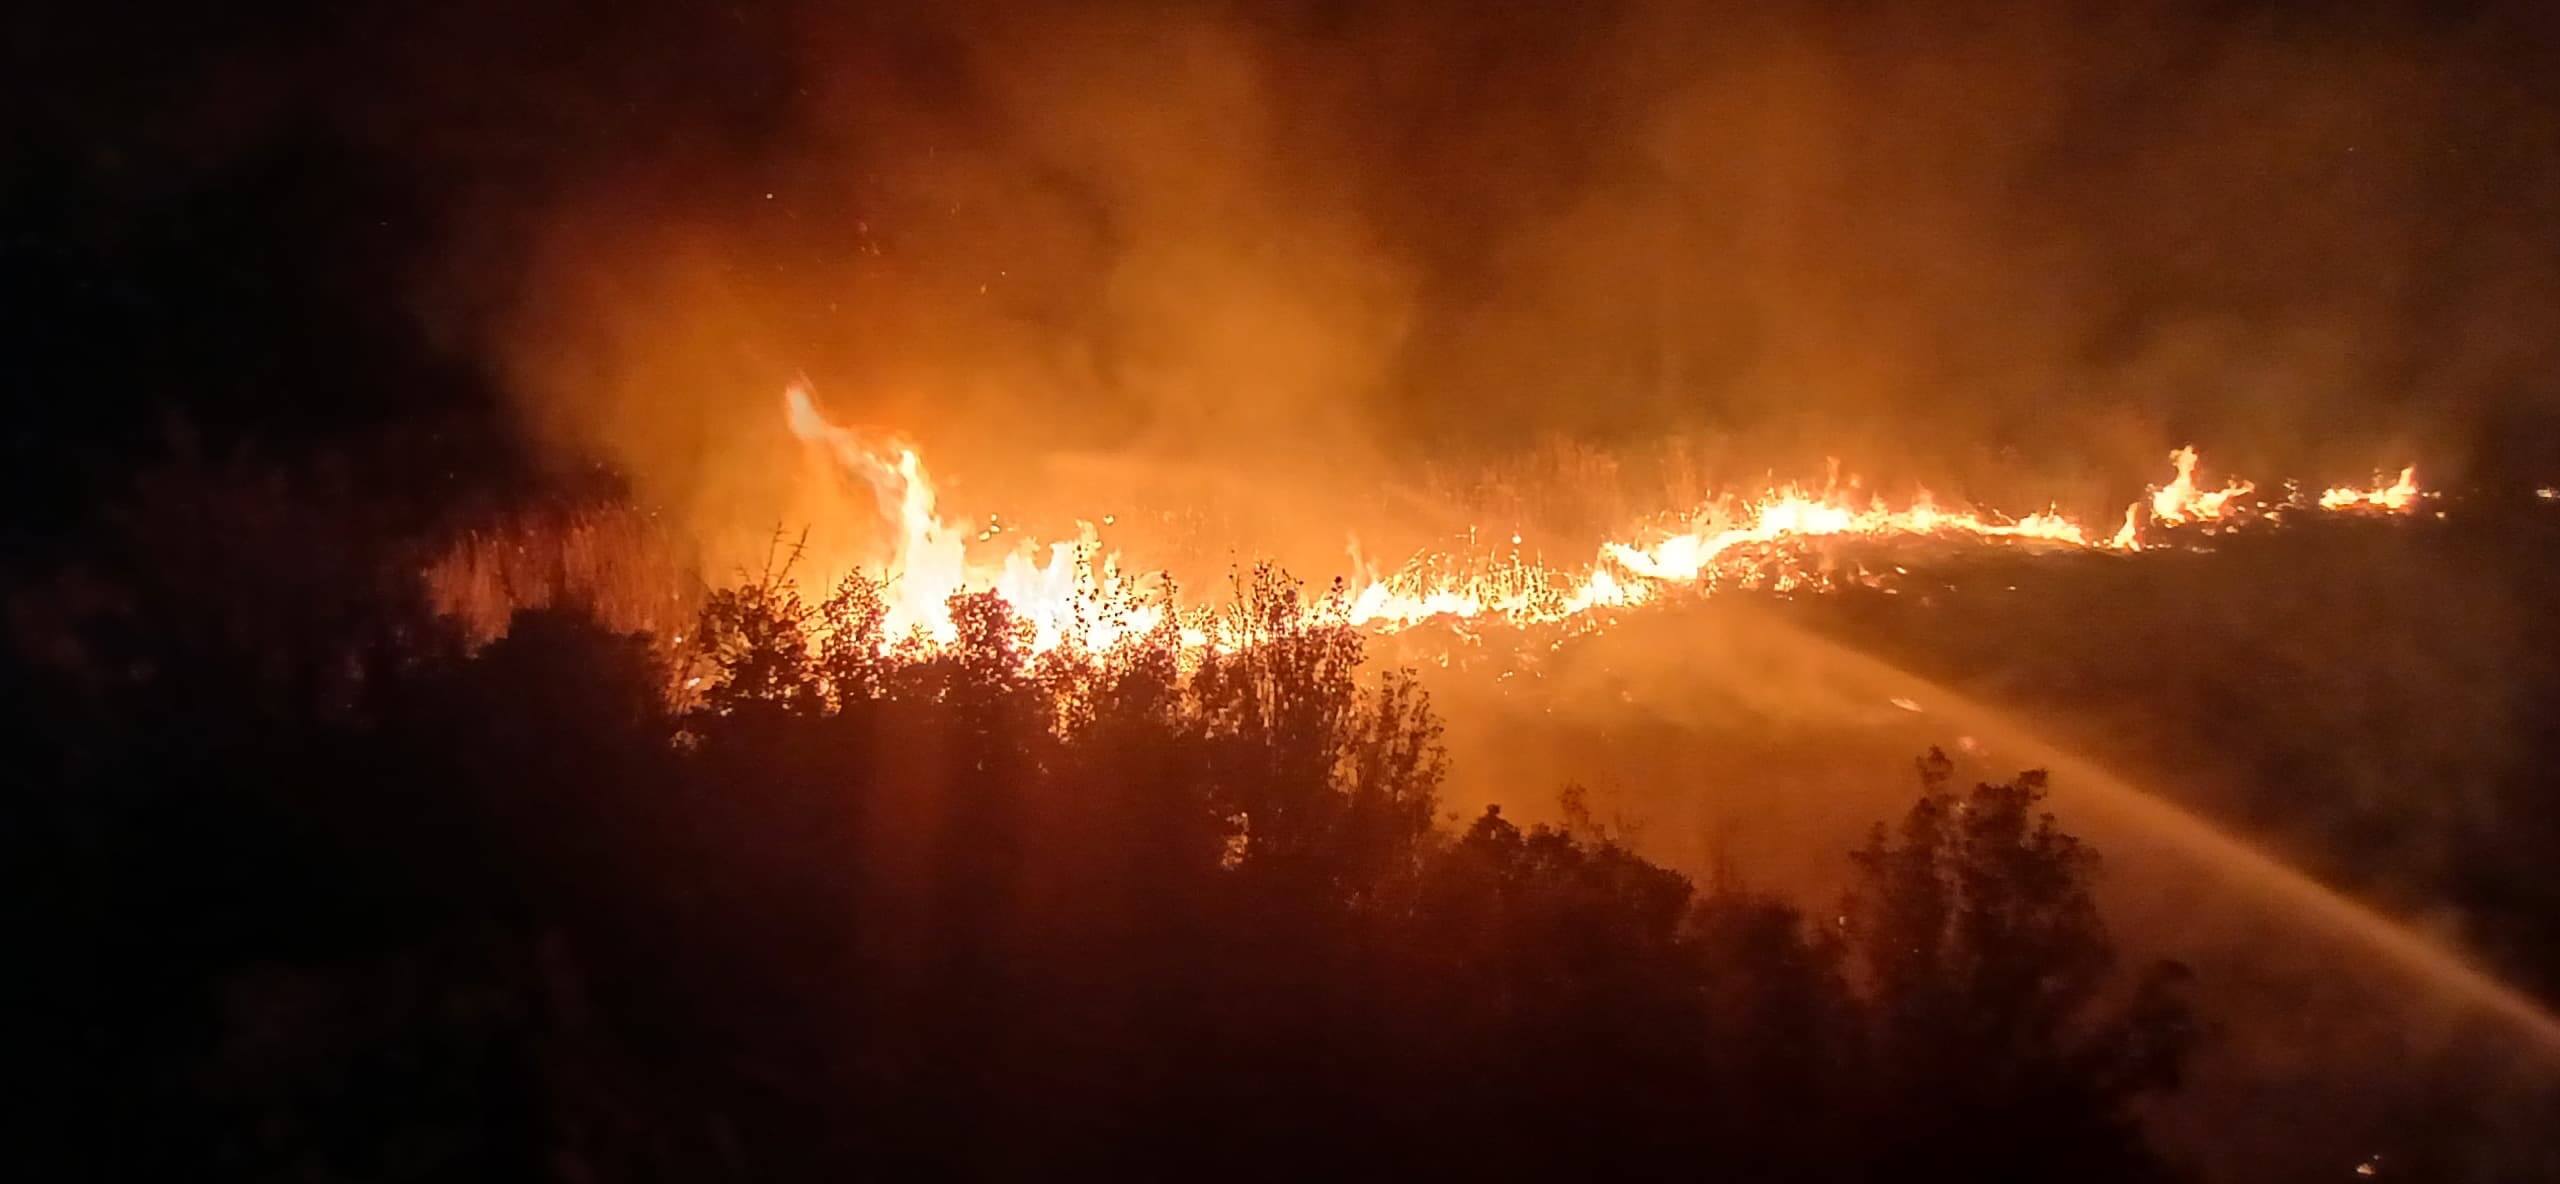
[1083, 594]
[2128, 537]
[1068, 592]
[2396, 496]
[2181, 501]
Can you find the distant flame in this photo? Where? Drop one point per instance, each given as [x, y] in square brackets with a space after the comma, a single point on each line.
[1077, 592]
[2396, 495]
[2181, 501]
[2128, 537]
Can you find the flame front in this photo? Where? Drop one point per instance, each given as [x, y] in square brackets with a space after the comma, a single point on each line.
[1080, 593]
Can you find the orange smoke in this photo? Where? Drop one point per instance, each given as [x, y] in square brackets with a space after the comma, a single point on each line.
[2395, 495]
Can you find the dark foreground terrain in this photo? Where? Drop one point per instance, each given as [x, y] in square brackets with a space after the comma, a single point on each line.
[305, 890]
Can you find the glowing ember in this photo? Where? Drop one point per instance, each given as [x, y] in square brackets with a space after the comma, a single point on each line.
[1078, 593]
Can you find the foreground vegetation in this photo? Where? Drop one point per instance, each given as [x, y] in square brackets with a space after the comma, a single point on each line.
[307, 889]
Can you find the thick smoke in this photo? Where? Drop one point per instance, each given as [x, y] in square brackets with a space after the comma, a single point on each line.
[1279, 272]
[1259, 256]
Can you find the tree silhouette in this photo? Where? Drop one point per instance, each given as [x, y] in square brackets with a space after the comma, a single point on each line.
[797, 899]
[1974, 936]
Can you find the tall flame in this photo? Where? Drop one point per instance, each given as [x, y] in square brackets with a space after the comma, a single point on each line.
[2181, 501]
[1063, 590]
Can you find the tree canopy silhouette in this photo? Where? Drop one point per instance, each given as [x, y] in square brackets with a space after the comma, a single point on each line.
[794, 899]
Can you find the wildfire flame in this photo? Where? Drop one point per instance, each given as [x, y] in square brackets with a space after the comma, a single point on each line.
[1072, 588]
[2396, 495]
[2181, 501]
[1079, 593]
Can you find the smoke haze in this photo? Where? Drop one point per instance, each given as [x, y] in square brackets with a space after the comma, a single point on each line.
[1272, 252]
[1269, 275]
[1292, 248]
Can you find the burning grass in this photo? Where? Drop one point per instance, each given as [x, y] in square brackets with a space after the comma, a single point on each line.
[1085, 593]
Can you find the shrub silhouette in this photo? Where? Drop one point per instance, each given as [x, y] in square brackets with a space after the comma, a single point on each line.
[849, 905]
[1976, 943]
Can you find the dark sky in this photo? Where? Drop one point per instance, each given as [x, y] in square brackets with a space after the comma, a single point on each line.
[462, 235]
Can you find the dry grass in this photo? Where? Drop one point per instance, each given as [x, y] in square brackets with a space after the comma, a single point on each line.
[618, 561]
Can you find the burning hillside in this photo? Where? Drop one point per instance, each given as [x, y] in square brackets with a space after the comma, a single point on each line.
[1296, 609]
[1784, 538]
